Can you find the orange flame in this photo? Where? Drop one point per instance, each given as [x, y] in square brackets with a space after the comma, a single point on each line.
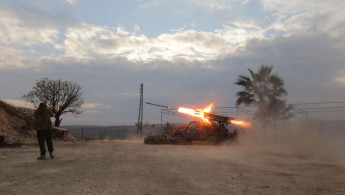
[241, 123]
[196, 112]
[200, 114]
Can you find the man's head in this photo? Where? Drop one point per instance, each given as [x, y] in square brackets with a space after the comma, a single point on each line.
[42, 105]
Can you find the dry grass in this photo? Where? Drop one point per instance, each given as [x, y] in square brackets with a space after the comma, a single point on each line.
[16, 123]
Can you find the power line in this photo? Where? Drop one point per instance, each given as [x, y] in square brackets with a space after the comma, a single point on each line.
[328, 111]
[323, 108]
[318, 103]
[306, 103]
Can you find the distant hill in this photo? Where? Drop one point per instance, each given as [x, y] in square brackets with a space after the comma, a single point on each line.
[111, 132]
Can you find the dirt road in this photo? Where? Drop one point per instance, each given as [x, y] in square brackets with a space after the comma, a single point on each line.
[130, 167]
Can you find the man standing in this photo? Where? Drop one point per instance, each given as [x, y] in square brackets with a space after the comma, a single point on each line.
[43, 126]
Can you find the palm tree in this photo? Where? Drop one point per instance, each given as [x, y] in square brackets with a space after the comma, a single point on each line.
[264, 90]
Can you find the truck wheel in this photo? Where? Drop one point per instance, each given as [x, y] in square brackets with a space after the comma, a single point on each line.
[212, 139]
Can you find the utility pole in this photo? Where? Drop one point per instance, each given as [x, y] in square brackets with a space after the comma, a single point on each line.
[166, 107]
[161, 121]
[141, 108]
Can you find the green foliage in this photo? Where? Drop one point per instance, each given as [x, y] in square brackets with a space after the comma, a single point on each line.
[265, 90]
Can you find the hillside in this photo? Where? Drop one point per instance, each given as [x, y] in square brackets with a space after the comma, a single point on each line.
[16, 124]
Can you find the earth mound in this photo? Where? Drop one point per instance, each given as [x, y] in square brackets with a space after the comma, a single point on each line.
[17, 126]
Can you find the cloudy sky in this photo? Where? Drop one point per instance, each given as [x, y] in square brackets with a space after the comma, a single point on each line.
[186, 52]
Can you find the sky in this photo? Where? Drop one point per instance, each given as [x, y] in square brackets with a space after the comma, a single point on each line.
[186, 53]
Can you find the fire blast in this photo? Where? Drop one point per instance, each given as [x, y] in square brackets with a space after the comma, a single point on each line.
[240, 123]
[200, 114]
[196, 112]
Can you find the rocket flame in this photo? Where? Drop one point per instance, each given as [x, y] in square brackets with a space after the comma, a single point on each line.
[240, 123]
[200, 114]
[196, 112]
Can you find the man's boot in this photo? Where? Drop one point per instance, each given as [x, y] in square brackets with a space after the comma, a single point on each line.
[51, 154]
[42, 157]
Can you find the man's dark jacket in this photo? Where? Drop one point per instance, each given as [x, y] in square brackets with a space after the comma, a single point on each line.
[42, 118]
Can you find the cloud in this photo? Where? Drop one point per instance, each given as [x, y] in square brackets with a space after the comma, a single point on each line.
[23, 31]
[205, 4]
[84, 42]
[300, 23]
[90, 105]
[185, 44]
[297, 6]
[211, 4]
[304, 60]
[71, 1]
[308, 15]
[22, 103]
[340, 78]
[18, 27]
[48, 6]
[245, 2]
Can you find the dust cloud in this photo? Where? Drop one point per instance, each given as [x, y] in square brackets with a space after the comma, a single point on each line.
[304, 139]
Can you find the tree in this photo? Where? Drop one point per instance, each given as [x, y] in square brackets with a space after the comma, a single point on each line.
[264, 90]
[60, 96]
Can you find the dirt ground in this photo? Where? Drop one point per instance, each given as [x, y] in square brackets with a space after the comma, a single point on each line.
[130, 167]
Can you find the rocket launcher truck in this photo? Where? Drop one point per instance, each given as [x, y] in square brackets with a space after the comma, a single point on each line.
[213, 131]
